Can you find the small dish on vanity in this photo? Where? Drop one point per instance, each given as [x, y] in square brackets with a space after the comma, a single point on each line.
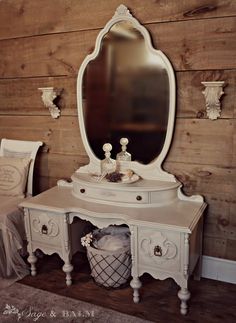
[122, 177]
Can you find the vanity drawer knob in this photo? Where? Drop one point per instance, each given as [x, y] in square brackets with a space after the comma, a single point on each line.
[138, 198]
[158, 251]
[82, 190]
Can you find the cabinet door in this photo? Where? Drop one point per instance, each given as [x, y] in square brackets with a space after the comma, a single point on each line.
[45, 227]
[159, 250]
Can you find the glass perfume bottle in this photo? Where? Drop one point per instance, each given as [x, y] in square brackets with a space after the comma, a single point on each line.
[123, 155]
[108, 165]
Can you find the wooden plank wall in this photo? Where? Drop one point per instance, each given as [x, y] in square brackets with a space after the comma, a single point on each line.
[42, 43]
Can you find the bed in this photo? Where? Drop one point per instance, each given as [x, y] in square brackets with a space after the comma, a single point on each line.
[17, 160]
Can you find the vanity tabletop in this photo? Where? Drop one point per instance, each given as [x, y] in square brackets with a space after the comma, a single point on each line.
[178, 215]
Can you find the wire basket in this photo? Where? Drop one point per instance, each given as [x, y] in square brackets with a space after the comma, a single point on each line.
[110, 269]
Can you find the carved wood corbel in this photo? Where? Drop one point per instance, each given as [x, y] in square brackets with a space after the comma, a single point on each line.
[213, 92]
[49, 94]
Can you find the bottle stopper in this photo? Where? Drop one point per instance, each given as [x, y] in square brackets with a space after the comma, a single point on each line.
[107, 149]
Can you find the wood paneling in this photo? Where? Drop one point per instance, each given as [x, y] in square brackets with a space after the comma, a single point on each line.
[22, 97]
[60, 135]
[48, 55]
[213, 45]
[190, 100]
[55, 16]
[214, 247]
[200, 141]
[207, 179]
[199, 44]
[43, 43]
[218, 186]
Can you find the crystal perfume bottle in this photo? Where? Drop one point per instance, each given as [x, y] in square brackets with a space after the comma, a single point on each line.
[108, 165]
[123, 155]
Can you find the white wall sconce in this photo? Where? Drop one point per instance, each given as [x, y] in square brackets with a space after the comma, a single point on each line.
[48, 95]
[213, 92]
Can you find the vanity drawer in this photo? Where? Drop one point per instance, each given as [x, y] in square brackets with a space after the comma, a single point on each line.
[112, 195]
[159, 249]
[45, 227]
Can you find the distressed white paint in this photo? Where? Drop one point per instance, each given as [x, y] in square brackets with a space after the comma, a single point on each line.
[49, 94]
[213, 92]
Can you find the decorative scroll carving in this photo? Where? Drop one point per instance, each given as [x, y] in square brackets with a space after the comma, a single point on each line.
[48, 95]
[52, 226]
[122, 10]
[168, 248]
[213, 92]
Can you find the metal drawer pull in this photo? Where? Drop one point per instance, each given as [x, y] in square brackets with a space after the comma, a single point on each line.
[82, 190]
[44, 229]
[138, 198]
[157, 251]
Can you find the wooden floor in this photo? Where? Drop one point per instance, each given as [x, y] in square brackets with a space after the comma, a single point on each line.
[211, 301]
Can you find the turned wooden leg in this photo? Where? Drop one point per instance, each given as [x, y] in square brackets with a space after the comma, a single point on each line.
[184, 296]
[32, 259]
[67, 268]
[135, 284]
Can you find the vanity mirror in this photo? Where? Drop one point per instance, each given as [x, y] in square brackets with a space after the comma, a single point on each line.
[126, 88]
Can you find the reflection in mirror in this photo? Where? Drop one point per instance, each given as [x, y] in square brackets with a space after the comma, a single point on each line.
[126, 94]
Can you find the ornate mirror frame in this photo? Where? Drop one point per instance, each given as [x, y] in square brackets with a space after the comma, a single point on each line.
[153, 170]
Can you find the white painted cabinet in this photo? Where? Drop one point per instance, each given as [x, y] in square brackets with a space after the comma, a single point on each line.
[165, 240]
[136, 100]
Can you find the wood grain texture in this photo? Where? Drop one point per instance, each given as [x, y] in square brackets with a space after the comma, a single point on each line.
[230, 249]
[47, 55]
[190, 100]
[197, 45]
[56, 16]
[215, 247]
[46, 42]
[213, 47]
[22, 97]
[203, 141]
[51, 165]
[205, 178]
[218, 186]
[60, 136]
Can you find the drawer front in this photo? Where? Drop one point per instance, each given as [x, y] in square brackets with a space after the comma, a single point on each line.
[159, 249]
[111, 194]
[45, 227]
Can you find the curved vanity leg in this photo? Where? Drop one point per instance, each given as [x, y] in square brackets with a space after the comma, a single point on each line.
[184, 296]
[67, 268]
[135, 284]
[32, 259]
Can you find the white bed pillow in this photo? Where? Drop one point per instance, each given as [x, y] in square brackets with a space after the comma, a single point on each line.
[13, 176]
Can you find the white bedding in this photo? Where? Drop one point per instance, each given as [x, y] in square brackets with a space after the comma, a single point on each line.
[12, 233]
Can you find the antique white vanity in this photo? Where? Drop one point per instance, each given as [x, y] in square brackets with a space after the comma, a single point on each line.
[126, 88]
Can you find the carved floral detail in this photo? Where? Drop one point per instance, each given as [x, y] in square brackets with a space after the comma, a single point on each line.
[213, 92]
[52, 226]
[122, 10]
[168, 248]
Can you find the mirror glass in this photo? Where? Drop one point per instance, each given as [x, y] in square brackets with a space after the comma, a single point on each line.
[125, 93]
